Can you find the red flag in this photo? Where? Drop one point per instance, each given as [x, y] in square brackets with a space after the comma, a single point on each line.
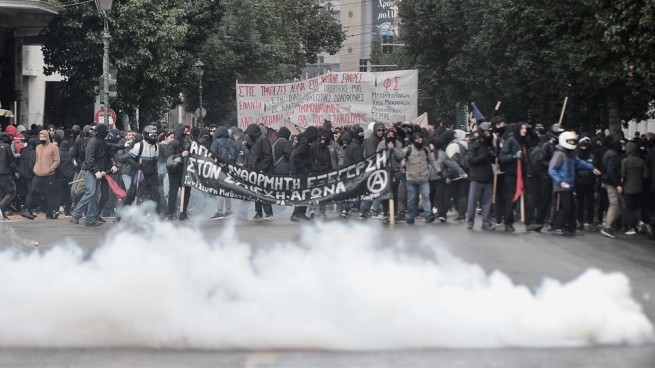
[113, 185]
[519, 181]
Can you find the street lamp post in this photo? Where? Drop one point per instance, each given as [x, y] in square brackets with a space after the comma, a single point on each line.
[104, 7]
[200, 113]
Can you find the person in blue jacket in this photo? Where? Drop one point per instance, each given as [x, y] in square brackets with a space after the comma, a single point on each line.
[562, 168]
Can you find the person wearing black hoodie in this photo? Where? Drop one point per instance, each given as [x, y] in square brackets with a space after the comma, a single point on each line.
[177, 151]
[8, 169]
[302, 165]
[225, 149]
[514, 149]
[481, 177]
[260, 159]
[611, 181]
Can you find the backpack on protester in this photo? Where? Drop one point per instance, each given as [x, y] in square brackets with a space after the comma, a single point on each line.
[227, 152]
[464, 158]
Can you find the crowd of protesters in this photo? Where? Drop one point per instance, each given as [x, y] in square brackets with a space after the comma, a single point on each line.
[548, 178]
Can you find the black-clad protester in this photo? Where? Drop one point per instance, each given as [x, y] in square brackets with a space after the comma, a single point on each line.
[8, 171]
[302, 165]
[481, 177]
[178, 149]
[260, 159]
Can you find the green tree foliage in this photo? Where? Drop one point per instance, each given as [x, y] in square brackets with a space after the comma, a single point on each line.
[263, 41]
[151, 46]
[531, 54]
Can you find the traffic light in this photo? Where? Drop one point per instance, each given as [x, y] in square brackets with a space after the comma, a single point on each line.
[363, 65]
[113, 80]
[387, 44]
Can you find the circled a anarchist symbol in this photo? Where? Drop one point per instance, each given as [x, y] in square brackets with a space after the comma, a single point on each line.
[377, 181]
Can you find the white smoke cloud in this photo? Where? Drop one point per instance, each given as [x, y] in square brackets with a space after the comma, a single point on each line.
[337, 287]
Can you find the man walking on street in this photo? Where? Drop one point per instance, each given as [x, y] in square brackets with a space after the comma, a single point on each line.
[43, 184]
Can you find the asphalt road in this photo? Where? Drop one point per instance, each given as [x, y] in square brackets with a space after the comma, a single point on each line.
[525, 257]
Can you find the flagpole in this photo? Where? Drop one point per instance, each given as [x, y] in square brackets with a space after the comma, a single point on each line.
[561, 116]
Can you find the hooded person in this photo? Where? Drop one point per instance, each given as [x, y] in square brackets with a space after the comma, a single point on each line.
[514, 156]
[282, 150]
[260, 159]
[481, 177]
[7, 170]
[18, 139]
[302, 165]
[634, 174]
[43, 183]
[93, 169]
[225, 150]
[177, 151]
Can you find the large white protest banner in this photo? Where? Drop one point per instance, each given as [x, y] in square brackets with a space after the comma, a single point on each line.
[343, 98]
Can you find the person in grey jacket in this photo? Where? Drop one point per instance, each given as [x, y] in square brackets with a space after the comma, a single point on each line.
[418, 159]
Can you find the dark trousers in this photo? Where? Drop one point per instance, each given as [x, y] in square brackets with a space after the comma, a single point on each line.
[149, 186]
[43, 192]
[633, 206]
[509, 188]
[265, 206]
[499, 199]
[541, 190]
[394, 194]
[565, 211]
[174, 184]
[440, 199]
[64, 193]
[584, 195]
[7, 190]
[458, 191]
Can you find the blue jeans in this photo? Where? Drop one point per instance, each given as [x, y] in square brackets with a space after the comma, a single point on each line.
[414, 187]
[89, 200]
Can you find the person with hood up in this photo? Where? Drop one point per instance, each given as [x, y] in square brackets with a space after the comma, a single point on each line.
[302, 165]
[585, 186]
[611, 183]
[370, 148]
[8, 169]
[282, 152]
[634, 173]
[562, 169]
[18, 139]
[26, 162]
[225, 149]
[95, 151]
[395, 162]
[43, 183]
[481, 177]
[260, 159]
[324, 160]
[177, 151]
[514, 153]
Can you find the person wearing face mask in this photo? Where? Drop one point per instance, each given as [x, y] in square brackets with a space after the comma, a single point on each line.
[95, 152]
[43, 183]
[562, 169]
[585, 185]
[481, 177]
[418, 158]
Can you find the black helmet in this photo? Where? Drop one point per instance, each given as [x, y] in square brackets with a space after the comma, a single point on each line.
[539, 128]
[150, 134]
